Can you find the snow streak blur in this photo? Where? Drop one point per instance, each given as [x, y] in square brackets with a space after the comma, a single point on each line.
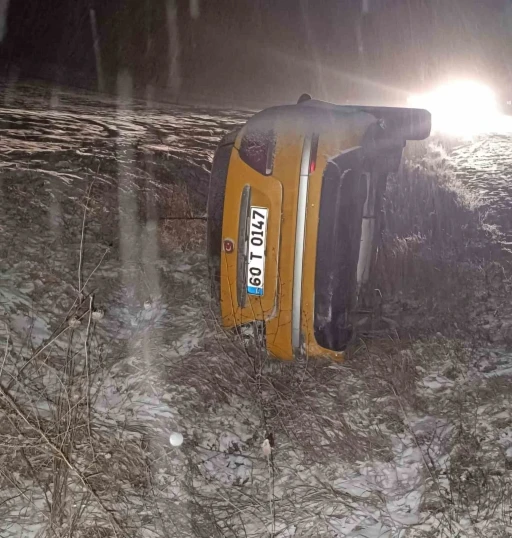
[4, 6]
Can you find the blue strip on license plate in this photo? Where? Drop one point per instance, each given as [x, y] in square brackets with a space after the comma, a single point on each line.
[256, 252]
[254, 291]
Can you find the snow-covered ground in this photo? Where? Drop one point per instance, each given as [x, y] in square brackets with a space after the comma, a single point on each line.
[110, 344]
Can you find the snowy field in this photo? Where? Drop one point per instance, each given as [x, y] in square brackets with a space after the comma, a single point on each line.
[110, 344]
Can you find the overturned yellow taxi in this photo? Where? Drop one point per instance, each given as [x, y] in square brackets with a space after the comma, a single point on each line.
[293, 207]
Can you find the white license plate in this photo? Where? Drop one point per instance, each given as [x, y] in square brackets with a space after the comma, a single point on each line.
[256, 252]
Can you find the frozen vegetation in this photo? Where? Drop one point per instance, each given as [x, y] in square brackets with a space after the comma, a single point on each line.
[109, 344]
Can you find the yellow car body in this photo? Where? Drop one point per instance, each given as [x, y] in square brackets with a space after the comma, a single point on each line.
[267, 184]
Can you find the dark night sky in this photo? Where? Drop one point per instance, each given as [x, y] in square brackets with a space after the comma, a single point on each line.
[261, 51]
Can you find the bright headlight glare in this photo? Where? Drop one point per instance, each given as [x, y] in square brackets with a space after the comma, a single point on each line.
[462, 108]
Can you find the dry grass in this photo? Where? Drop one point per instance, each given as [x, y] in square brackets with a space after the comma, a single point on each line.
[312, 420]
[324, 417]
[80, 473]
[182, 227]
[76, 471]
[435, 241]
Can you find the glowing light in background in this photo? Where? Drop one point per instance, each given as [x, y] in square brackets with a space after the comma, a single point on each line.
[462, 108]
